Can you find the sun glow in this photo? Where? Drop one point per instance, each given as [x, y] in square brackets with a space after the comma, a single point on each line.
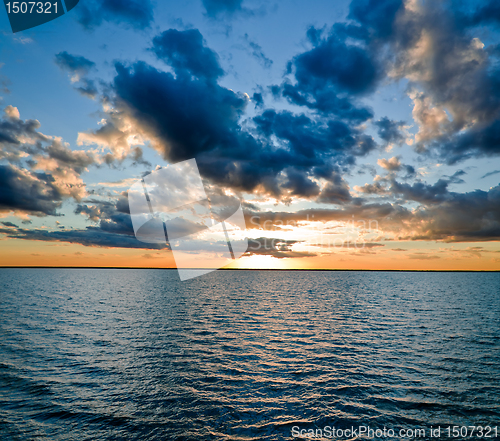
[260, 262]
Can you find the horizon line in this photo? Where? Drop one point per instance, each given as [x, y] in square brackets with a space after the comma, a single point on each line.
[255, 269]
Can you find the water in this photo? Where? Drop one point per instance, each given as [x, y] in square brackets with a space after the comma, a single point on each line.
[242, 355]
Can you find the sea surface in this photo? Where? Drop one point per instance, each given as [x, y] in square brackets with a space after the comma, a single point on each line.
[244, 355]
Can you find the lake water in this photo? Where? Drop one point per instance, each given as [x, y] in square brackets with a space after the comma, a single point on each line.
[244, 355]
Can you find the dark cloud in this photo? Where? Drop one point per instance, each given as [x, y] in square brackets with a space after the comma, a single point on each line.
[34, 193]
[487, 13]
[442, 215]
[376, 17]
[456, 178]
[88, 88]
[420, 192]
[113, 225]
[216, 8]
[336, 191]
[91, 237]
[309, 139]
[495, 172]
[475, 142]
[332, 75]
[10, 225]
[300, 185]
[186, 52]
[18, 136]
[333, 64]
[258, 99]
[390, 214]
[42, 170]
[462, 217]
[390, 131]
[78, 67]
[137, 14]
[74, 64]
[188, 117]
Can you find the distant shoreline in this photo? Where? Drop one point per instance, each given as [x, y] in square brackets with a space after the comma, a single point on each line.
[254, 269]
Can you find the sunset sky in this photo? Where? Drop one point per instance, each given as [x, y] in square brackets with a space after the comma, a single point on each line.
[359, 134]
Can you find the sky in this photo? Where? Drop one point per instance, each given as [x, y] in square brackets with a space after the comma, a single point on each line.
[359, 134]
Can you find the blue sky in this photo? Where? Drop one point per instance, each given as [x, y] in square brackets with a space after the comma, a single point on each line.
[384, 110]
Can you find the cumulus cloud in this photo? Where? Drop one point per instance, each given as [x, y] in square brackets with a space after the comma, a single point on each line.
[186, 52]
[183, 111]
[40, 171]
[453, 80]
[188, 114]
[392, 164]
[29, 192]
[332, 75]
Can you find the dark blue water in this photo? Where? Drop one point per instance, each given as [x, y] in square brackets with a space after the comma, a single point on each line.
[240, 355]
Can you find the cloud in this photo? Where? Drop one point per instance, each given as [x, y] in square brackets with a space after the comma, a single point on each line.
[10, 225]
[376, 17]
[257, 52]
[495, 172]
[462, 217]
[277, 248]
[390, 131]
[487, 13]
[300, 185]
[91, 237]
[453, 81]
[452, 76]
[332, 75]
[12, 112]
[377, 188]
[184, 117]
[76, 65]
[423, 256]
[421, 192]
[137, 14]
[217, 8]
[442, 215]
[18, 138]
[88, 89]
[393, 164]
[42, 170]
[186, 52]
[188, 114]
[34, 193]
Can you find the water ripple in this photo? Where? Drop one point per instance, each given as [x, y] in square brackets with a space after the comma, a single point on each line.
[138, 355]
